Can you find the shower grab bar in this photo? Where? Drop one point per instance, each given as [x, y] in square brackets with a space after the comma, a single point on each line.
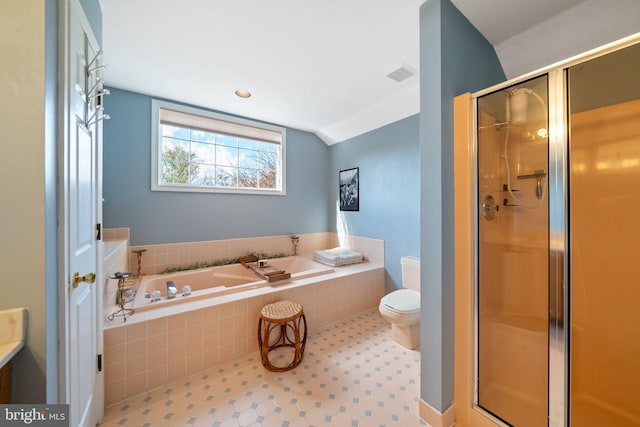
[536, 174]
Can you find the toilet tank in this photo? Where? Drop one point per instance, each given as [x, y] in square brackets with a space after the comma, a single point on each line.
[410, 272]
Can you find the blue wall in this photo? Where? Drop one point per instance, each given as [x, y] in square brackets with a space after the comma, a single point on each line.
[93, 12]
[389, 164]
[454, 58]
[388, 159]
[169, 217]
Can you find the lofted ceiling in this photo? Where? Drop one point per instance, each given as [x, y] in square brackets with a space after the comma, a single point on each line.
[315, 66]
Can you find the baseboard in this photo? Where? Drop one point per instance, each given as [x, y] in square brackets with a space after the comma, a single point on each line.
[434, 417]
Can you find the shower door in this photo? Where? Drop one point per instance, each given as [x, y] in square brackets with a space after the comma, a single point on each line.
[513, 253]
[604, 154]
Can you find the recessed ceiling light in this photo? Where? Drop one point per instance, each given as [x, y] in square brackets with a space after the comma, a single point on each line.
[243, 93]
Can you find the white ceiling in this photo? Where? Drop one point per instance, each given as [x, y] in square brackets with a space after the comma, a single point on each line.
[316, 66]
[499, 20]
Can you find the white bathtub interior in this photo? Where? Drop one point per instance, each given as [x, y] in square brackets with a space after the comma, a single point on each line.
[223, 280]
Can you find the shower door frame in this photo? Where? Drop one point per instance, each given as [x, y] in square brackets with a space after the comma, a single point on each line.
[559, 243]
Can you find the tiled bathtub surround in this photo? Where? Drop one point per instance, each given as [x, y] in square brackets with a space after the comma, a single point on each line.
[352, 374]
[116, 233]
[115, 258]
[160, 346]
[158, 258]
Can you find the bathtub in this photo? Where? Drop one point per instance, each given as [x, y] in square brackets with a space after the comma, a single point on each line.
[223, 280]
[169, 340]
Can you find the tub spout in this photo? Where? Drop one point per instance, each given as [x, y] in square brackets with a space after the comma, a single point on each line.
[172, 291]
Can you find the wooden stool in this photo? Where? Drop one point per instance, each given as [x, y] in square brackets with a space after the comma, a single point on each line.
[288, 316]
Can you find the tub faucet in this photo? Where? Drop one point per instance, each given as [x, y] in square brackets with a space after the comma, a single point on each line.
[295, 239]
[172, 291]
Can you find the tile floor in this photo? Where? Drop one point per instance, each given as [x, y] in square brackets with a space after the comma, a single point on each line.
[352, 374]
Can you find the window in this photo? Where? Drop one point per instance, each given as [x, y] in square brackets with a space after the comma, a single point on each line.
[197, 150]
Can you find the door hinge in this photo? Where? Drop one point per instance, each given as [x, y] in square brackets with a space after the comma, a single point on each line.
[98, 232]
[99, 363]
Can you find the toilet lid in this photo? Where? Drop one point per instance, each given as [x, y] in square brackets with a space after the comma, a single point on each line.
[403, 300]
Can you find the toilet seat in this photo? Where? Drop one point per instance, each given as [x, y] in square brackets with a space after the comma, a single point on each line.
[402, 301]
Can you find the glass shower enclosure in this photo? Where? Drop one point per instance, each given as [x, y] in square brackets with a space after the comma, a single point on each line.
[557, 322]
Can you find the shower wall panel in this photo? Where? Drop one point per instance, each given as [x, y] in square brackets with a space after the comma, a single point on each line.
[605, 266]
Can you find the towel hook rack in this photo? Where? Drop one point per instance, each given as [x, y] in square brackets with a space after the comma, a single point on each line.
[93, 97]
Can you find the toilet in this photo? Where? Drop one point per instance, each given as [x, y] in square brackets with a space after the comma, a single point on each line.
[401, 308]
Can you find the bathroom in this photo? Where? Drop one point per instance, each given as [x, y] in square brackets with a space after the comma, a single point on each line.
[226, 226]
[394, 199]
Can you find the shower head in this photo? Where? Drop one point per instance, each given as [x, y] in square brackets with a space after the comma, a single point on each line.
[516, 105]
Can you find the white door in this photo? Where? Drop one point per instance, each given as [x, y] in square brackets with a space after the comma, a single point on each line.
[82, 214]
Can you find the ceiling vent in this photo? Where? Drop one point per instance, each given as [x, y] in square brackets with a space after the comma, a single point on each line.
[401, 74]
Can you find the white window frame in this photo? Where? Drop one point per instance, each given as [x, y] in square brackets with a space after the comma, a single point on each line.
[156, 147]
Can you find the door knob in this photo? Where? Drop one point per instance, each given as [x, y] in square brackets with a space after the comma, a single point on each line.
[87, 278]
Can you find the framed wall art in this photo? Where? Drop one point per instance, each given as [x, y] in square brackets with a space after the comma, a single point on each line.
[350, 189]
